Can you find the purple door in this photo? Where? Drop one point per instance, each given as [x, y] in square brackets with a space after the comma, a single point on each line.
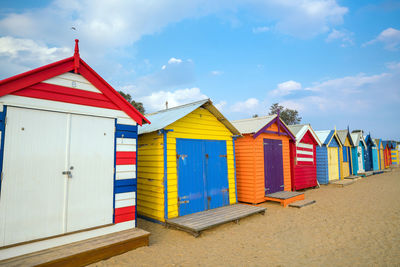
[273, 166]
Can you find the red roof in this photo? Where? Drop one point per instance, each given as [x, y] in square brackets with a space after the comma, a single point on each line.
[27, 79]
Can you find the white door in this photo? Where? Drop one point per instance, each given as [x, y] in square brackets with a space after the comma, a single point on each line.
[37, 200]
[91, 186]
[32, 189]
[360, 159]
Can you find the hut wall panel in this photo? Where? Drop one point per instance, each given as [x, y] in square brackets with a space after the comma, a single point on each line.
[322, 165]
[395, 157]
[381, 159]
[250, 159]
[246, 168]
[150, 176]
[72, 80]
[355, 159]
[199, 124]
[305, 175]
[125, 183]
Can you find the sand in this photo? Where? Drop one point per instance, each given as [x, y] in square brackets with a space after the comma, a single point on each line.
[357, 225]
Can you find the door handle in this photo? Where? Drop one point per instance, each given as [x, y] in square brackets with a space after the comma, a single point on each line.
[68, 173]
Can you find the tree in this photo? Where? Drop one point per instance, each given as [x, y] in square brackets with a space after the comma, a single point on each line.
[137, 105]
[255, 116]
[289, 116]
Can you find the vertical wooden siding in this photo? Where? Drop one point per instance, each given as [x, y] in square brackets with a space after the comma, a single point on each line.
[381, 158]
[250, 165]
[322, 165]
[345, 171]
[150, 187]
[246, 169]
[200, 124]
[304, 176]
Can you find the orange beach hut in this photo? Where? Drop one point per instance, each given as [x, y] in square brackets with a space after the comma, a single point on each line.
[262, 158]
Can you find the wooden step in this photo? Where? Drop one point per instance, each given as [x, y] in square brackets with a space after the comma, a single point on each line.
[302, 203]
[84, 252]
[342, 183]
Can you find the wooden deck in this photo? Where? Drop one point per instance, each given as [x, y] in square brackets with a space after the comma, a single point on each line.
[342, 183]
[353, 177]
[302, 203]
[200, 221]
[285, 197]
[84, 252]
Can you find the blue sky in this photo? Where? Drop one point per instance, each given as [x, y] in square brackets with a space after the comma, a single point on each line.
[337, 62]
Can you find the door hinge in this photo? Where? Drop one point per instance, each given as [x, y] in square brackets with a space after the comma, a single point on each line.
[223, 156]
[225, 190]
[181, 200]
[181, 156]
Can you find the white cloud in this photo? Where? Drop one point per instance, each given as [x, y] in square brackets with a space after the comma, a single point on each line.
[261, 29]
[216, 72]
[156, 101]
[345, 37]
[286, 88]
[105, 23]
[25, 54]
[389, 37]
[173, 60]
[176, 72]
[302, 19]
[220, 105]
[248, 106]
[356, 95]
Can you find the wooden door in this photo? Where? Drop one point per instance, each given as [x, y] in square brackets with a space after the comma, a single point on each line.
[333, 163]
[91, 157]
[273, 166]
[32, 190]
[360, 159]
[37, 199]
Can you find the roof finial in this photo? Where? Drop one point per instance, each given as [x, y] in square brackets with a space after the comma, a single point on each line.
[279, 111]
[76, 56]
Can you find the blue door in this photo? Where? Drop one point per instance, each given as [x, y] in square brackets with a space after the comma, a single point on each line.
[202, 175]
[191, 184]
[216, 174]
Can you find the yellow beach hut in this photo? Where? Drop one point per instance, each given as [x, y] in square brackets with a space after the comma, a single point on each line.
[185, 162]
[381, 157]
[345, 152]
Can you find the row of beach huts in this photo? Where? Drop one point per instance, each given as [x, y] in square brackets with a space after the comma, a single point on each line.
[79, 165]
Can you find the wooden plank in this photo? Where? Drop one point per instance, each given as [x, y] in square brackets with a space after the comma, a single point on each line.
[284, 194]
[84, 252]
[302, 203]
[195, 223]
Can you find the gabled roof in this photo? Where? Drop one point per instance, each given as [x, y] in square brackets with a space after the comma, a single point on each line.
[299, 130]
[378, 142]
[252, 125]
[327, 136]
[163, 118]
[76, 64]
[369, 140]
[259, 124]
[357, 138]
[342, 134]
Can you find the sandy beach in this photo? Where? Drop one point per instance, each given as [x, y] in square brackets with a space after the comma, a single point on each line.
[357, 225]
